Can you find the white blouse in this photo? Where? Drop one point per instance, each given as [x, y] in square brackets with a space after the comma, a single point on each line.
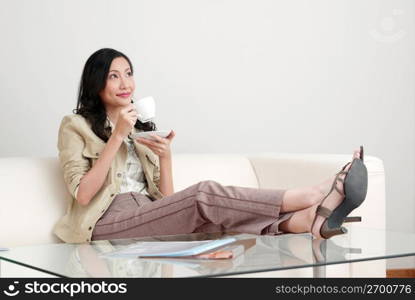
[133, 178]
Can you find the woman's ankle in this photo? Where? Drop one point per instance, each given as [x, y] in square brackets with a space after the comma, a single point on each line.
[314, 226]
[316, 194]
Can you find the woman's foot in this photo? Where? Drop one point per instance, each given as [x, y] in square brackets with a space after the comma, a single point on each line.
[333, 200]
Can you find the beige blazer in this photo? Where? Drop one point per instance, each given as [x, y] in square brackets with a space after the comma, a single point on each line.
[79, 149]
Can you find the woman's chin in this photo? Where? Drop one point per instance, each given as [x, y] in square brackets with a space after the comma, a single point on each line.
[123, 101]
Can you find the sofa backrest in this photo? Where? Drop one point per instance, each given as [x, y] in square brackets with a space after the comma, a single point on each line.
[227, 169]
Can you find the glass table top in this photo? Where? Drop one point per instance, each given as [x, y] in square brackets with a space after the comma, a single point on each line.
[270, 253]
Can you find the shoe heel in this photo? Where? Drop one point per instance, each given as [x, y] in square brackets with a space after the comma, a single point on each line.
[352, 219]
[327, 232]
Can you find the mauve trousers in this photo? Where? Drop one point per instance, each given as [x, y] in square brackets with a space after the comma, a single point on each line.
[203, 207]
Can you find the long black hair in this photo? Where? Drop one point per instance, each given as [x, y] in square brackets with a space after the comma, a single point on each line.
[93, 80]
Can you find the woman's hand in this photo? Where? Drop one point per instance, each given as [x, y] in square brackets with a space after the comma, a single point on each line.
[126, 121]
[160, 146]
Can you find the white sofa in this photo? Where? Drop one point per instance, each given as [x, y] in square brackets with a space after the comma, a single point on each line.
[34, 194]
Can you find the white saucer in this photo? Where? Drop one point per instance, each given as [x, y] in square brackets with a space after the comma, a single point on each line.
[146, 134]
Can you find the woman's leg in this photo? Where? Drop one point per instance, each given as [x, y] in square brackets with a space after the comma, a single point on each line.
[300, 198]
[300, 221]
[194, 209]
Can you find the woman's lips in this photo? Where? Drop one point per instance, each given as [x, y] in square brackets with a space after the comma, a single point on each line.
[125, 95]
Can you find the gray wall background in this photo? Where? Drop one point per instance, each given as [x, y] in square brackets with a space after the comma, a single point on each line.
[231, 76]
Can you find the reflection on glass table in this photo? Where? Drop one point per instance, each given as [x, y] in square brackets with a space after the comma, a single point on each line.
[270, 253]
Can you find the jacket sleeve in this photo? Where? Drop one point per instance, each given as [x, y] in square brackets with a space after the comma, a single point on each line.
[72, 162]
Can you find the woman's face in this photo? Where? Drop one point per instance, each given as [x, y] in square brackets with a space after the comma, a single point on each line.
[120, 85]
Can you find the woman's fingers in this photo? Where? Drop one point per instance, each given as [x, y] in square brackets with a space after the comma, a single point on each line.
[129, 114]
[147, 142]
[130, 108]
[158, 139]
[156, 147]
[165, 140]
[159, 147]
[171, 135]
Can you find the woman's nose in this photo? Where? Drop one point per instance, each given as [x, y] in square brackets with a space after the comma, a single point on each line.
[124, 83]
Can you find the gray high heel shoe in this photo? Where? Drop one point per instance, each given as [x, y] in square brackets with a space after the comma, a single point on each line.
[355, 190]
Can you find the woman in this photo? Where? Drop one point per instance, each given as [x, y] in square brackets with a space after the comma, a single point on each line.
[123, 188]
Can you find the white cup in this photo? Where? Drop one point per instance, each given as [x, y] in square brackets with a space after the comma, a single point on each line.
[146, 109]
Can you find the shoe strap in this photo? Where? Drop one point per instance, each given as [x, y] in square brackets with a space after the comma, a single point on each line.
[340, 180]
[345, 166]
[320, 211]
[334, 186]
[361, 153]
[341, 172]
[323, 211]
[339, 191]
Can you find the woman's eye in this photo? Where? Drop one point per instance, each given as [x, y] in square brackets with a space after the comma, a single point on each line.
[130, 74]
[113, 76]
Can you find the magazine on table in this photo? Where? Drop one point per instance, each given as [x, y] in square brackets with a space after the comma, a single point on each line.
[208, 249]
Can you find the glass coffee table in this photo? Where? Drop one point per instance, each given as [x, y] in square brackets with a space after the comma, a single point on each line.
[269, 256]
